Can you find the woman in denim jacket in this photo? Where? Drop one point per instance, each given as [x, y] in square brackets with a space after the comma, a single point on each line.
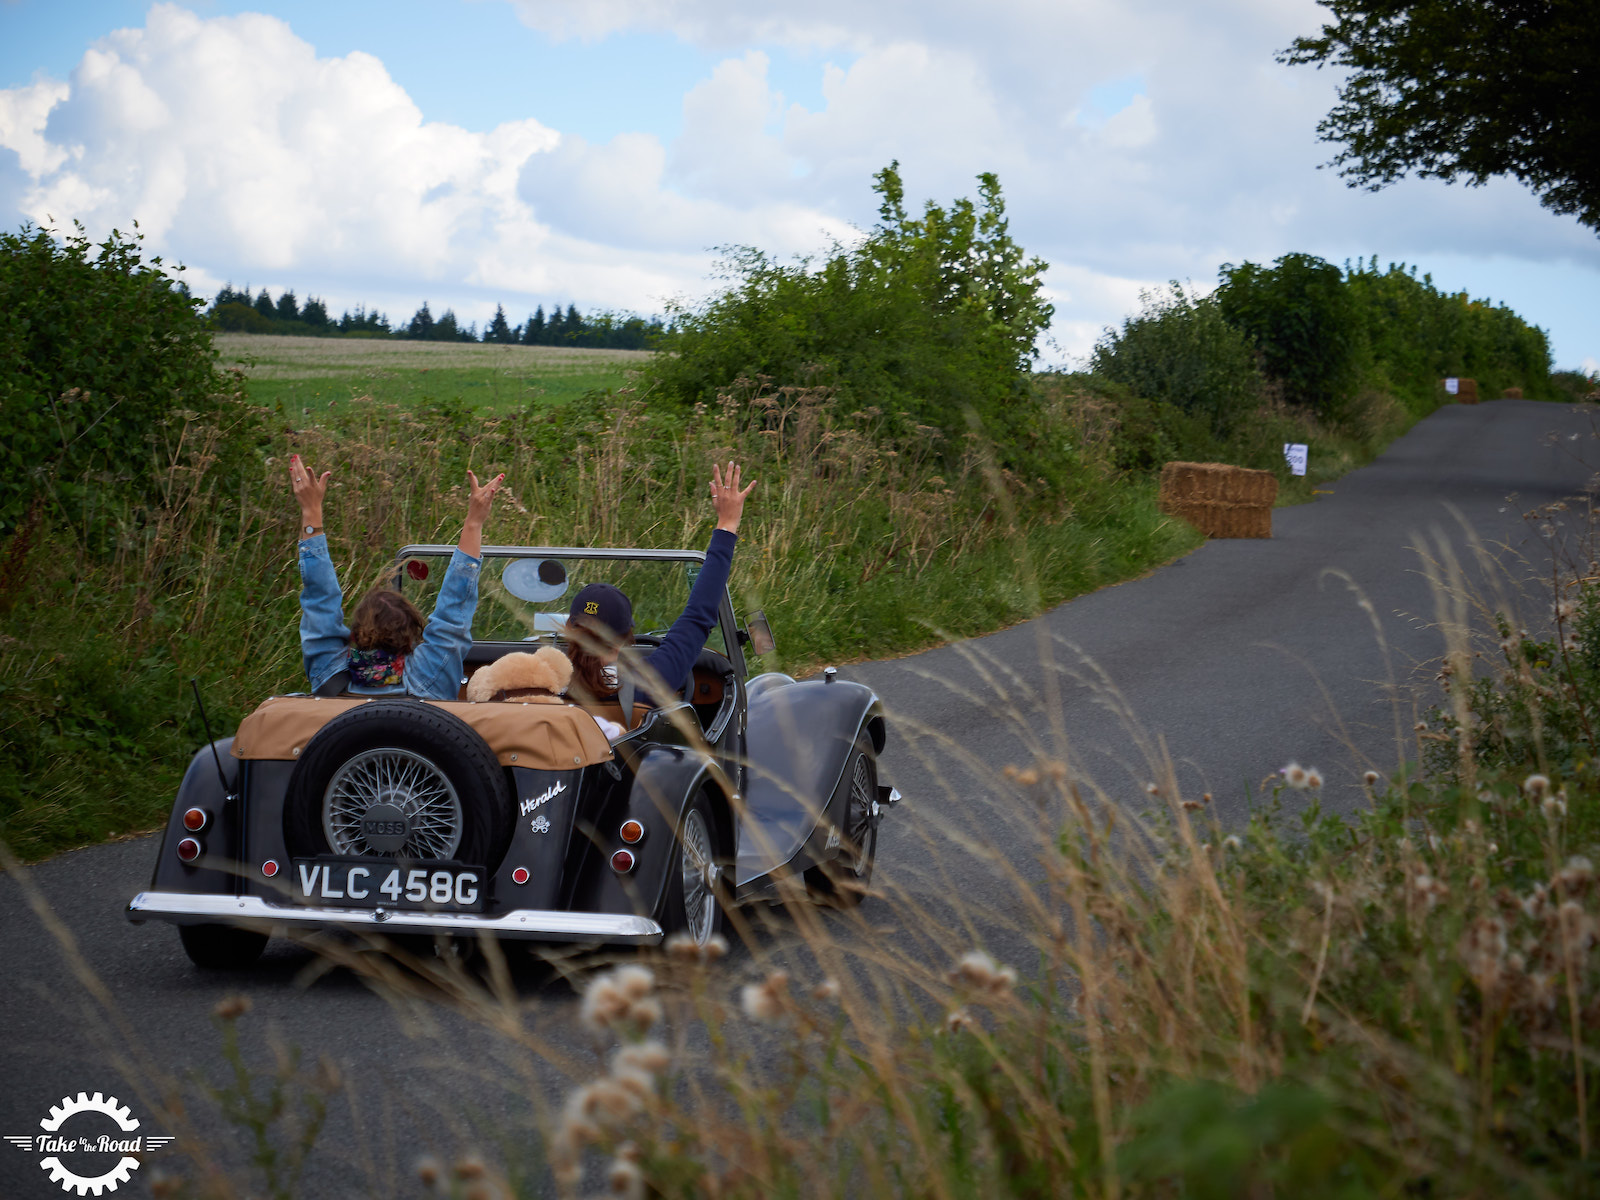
[387, 649]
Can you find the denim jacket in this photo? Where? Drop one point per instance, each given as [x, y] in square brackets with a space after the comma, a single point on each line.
[432, 670]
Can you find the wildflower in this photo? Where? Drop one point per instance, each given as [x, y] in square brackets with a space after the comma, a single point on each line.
[649, 1057]
[959, 1020]
[766, 1001]
[1533, 903]
[429, 1171]
[1562, 610]
[1313, 779]
[1370, 779]
[1536, 785]
[625, 1178]
[620, 1000]
[1205, 797]
[827, 990]
[1542, 992]
[1429, 890]
[683, 947]
[1555, 806]
[1153, 789]
[978, 970]
[1232, 842]
[1483, 952]
[1192, 805]
[1578, 871]
[231, 1008]
[1295, 776]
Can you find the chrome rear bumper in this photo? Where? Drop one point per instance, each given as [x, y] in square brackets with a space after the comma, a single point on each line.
[545, 925]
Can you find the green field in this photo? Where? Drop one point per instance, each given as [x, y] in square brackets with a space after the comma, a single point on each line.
[308, 373]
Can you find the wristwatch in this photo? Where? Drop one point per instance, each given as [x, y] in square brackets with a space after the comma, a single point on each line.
[311, 530]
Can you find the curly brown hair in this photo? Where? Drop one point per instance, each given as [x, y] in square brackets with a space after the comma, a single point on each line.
[386, 620]
[585, 638]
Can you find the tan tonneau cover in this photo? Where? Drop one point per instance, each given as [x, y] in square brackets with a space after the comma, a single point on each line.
[546, 737]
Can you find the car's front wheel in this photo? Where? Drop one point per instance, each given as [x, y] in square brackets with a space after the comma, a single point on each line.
[844, 880]
[221, 947]
[693, 903]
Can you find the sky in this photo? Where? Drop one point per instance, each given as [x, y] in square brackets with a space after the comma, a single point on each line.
[597, 152]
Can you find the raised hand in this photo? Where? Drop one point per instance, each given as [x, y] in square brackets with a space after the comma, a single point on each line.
[309, 490]
[479, 501]
[726, 497]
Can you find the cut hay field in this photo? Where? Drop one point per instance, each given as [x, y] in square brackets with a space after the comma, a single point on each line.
[306, 373]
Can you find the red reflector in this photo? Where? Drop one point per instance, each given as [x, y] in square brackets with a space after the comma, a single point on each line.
[188, 849]
[520, 875]
[194, 820]
[631, 832]
[622, 861]
[269, 868]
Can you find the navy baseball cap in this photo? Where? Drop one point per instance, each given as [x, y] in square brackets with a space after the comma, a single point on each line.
[605, 603]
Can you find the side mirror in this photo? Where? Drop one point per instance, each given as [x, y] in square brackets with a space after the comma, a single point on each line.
[761, 640]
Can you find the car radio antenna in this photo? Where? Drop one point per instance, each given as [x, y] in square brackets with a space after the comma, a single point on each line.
[206, 721]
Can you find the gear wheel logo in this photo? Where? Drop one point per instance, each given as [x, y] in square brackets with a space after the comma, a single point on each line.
[57, 1140]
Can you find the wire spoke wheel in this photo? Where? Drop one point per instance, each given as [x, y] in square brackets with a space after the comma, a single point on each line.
[697, 866]
[858, 817]
[398, 786]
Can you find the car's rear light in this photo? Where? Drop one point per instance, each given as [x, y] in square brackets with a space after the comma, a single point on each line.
[188, 849]
[622, 861]
[194, 820]
[520, 875]
[269, 868]
[631, 832]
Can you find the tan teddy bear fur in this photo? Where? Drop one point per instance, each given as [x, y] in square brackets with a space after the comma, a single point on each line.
[537, 678]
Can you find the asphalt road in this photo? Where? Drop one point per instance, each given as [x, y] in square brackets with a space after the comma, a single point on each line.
[1313, 646]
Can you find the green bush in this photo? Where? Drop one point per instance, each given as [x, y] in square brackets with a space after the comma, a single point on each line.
[1178, 349]
[1304, 323]
[926, 319]
[98, 351]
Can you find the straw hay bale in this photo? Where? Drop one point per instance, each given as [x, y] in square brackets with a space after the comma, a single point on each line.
[1466, 391]
[1511, 394]
[1219, 500]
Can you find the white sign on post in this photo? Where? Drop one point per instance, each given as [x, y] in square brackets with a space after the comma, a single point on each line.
[1296, 454]
[1452, 386]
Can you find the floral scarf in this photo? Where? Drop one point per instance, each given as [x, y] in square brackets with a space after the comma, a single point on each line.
[376, 668]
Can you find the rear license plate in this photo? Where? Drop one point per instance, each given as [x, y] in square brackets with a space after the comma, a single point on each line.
[433, 886]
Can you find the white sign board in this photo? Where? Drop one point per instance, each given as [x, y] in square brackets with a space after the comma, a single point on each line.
[1296, 454]
[1452, 386]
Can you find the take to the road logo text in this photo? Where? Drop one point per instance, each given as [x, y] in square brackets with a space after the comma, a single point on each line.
[96, 1136]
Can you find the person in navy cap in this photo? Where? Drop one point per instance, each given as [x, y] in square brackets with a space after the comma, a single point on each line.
[600, 621]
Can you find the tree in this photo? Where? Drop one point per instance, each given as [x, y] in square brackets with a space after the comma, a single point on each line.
[1304, 322]
[1180, 350]
[315, 313]
[288, 307]
[99, 351]
[422, 325]
[1466, 88]
[499, 330]
[445, 328]
[533, 333]
[925, 319]
[264, 305]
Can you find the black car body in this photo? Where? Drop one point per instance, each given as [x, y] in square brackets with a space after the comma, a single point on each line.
[403, 816]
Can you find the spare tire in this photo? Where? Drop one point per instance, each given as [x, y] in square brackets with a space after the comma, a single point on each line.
[402, 779]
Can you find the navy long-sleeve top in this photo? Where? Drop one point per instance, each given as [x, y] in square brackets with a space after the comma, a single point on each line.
[673, 660]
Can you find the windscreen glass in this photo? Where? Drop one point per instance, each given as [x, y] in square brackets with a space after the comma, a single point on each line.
[528, 597]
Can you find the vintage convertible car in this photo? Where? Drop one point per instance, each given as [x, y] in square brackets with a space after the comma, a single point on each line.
[398, 816]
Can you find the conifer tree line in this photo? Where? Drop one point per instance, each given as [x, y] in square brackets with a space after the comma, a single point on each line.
[236, 311]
